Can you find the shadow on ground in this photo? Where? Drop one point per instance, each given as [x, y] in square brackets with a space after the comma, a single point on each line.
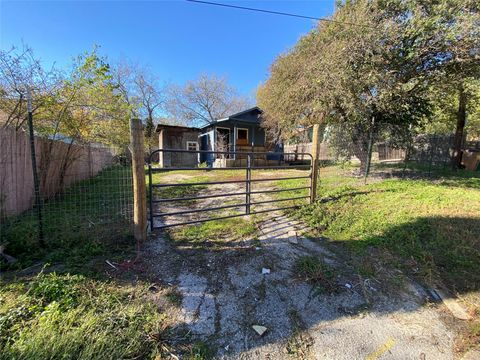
[377, 306]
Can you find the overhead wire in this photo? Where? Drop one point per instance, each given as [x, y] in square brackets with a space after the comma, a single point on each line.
[273, 12]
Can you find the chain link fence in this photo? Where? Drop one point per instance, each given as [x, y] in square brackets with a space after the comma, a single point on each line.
[85, 190]
[349, 155]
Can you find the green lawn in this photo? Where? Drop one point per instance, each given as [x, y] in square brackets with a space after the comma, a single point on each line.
[435, 223]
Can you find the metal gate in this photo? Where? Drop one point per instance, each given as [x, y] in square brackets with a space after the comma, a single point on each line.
[251, 162]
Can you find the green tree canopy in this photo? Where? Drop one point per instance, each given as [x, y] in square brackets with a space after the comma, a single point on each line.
[372, 66]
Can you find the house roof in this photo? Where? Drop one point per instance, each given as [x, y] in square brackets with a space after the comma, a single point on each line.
[246, 111]
[168, 126]
[238, 116]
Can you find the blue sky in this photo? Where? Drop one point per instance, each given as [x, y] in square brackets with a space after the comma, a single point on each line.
[178, 40]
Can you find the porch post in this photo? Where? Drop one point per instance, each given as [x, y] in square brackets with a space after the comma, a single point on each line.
[253, 138]
[160, 146]
[234, 140]
[214, 145]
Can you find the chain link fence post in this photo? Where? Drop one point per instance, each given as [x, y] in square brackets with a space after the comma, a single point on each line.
[36, 181]
[369, 150]
[315, 156]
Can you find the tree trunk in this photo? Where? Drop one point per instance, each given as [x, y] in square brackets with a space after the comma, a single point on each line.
[362, 143]
[149, 125]
[360, 150]
[461, 119]
[149, 130]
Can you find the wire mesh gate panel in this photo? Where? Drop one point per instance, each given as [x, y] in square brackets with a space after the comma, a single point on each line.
[233, 175]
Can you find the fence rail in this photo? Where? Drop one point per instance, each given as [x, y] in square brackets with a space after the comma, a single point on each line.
[247, 181]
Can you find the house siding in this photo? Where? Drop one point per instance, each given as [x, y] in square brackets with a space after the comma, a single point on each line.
[176, 138]
[255, 132]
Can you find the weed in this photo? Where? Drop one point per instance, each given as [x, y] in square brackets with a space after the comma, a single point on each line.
[299, 344]
[63, 290]
[314, 271]
[179, 192]
[175, 297]
[200, 351]
[470, 337]
[256, 242]
[366, 268]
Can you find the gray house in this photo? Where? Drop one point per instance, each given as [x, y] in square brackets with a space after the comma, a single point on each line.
[179, 138]
[239, 132]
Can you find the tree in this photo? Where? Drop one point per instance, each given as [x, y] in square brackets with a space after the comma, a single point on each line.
[371, 69]
[21, 70]
[78, 106]
[80, 103]
[143, 94]
[450, 33]
[445, 102]
[204, 100]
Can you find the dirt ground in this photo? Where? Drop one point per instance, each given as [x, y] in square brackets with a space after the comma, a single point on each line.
[224, 293]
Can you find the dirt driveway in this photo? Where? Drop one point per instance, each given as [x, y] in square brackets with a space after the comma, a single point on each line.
[226, 290]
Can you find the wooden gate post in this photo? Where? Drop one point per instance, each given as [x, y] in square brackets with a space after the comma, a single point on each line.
[315, 156]
[139, 186]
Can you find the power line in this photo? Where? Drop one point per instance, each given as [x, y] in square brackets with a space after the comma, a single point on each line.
[273, 12]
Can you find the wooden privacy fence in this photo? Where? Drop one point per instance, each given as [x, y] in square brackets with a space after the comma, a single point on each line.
[389, 153]
[324, 152]
[60, 164]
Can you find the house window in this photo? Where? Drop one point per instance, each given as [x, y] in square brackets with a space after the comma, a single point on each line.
[192, 145]
[242, 136]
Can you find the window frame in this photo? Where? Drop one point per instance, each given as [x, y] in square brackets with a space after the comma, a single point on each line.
[237, 138]
[190, 143]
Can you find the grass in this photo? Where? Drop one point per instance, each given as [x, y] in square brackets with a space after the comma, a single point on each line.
[299, 345]
[178, 192]
[200, 351]
[432, 226]
[78, 312]
[90, 218]
[427, 226]
[55, 316]
[173, 176]
[215, 232]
